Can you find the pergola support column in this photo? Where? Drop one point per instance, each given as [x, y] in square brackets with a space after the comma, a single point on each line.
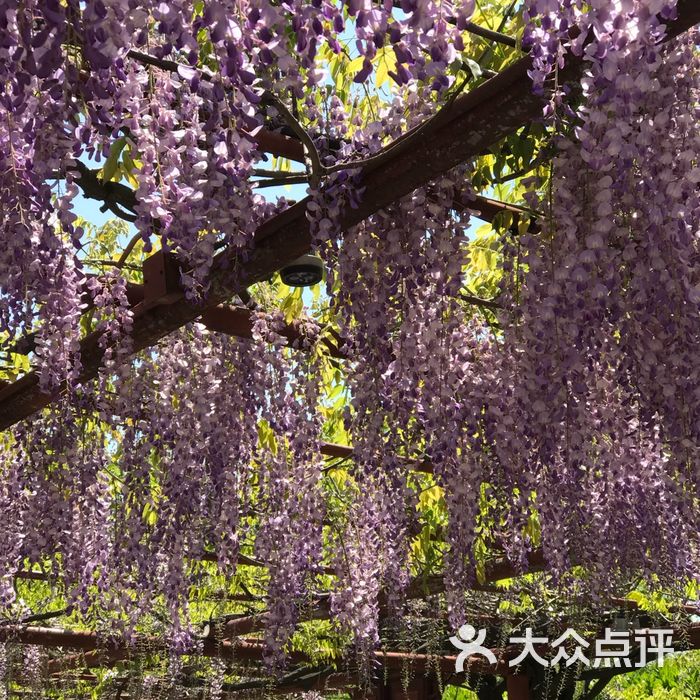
[394, 687]
[518, 687]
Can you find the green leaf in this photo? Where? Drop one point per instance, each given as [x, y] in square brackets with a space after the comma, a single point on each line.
[266, 436]
[473, 66]
[129, 167]
[109, 169]
[386, 61]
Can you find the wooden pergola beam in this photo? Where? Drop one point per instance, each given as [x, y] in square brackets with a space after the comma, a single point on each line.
[155, 309]
[518, 687]
[101, 650]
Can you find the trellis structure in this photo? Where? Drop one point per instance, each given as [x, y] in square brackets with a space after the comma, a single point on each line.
[464, 128]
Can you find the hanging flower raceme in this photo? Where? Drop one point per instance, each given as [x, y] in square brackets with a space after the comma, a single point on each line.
[603, 321]
[38, 274]
[600, 31]
[400, 275]
[12, 507]
[290, 500]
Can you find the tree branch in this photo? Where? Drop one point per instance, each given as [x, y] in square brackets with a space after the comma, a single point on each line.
[128, 250]
[42, 617]
[478, 301]
[277, 174]
[317, 168]
[163, 63]
[274, 182]
[113, 194]
[489, 34]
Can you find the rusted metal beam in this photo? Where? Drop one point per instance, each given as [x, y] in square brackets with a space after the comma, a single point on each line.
[238, 321]
[488, 209]
[494, 571]
[279, 145]
[247, 624]
[159, 308]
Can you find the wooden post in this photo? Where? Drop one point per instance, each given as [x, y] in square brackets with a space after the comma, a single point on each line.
[518, 687]
[421, 687]
[161, 279]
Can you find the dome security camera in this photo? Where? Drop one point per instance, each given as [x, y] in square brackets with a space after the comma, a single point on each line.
[303, 272]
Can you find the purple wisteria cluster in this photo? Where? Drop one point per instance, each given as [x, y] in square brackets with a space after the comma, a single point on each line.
[78, 77]
[581, 417]
[602, 397]
[399, 279]
[184, 435]
[578, 417]
[598, 31]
